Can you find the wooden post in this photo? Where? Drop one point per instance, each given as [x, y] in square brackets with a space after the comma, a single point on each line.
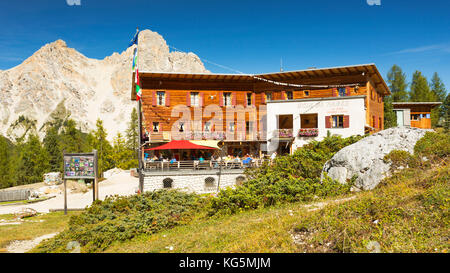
[95, 182]
[65, 197]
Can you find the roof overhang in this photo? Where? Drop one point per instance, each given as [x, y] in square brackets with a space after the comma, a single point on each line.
[412, 104]
[368, 70]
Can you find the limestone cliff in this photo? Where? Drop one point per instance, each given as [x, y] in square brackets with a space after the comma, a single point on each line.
[90, 88]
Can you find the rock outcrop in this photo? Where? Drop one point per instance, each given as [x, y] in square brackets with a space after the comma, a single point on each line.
[89, 88]
[364, 159]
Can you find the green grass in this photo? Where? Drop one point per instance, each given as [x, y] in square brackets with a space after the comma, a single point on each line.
[52, 222]
[407, 213]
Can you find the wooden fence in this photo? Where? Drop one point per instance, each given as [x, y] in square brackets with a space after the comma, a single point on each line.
[14, 195]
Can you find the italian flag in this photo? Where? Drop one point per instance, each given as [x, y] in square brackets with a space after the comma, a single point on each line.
[136, 71]
[138, 86]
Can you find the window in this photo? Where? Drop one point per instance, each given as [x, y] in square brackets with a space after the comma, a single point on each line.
[226, 99]
[415, 116]
[155, 127]
[248, 126]
[380, 122]
[341, 92]
[289, 95]
[249, 99]
[268, 96]
[181, 127]
[167, 183]
[308, 121]
[232, 126]
[161, 98]
[207, 126]
[240, 180]
[209, 182]
[338, 121]
[306, 93]
[194, 99]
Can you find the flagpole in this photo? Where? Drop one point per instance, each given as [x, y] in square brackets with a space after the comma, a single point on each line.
[141, 169]
[139, 106]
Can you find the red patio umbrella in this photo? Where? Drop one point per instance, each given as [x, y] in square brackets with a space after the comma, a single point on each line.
[180, 145]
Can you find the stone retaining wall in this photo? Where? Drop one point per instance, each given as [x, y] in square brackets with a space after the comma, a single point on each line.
[196, 181]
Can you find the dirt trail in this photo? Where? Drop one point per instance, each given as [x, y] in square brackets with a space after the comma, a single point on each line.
[27, 245]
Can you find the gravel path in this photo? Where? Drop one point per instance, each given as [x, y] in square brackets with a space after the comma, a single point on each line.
[119, 184]
[27, 245]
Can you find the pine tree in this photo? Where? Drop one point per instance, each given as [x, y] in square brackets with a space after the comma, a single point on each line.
[34, 161]
[132, 133]
[420, 90]
[122, 156]
[390, 118]
[6, 163]
[103, 147]
[52, 144]
[438, 88]
[446, 111]
[397, 84]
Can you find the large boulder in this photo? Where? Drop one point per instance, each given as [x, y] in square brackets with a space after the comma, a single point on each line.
[365, 158]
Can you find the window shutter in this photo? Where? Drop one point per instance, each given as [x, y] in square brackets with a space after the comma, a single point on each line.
[153, 98]
[233, 99]
[200, 99]
[263, 98]
[334, 92]
[327, 121]
[283, 95]
[375, 122]
[346, 121]
[221, 99]
[253, 99]
[188, 99]
[347, 91]
[167, 99]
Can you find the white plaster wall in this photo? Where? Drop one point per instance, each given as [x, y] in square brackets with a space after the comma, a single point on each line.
[351, 106]
[191, 182]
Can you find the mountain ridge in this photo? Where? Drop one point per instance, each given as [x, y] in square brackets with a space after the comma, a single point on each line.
[90, 88]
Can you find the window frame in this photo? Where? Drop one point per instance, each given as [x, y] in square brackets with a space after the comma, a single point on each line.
[224, 99]
[157, 127]
[289, 94]
[195, 98]
[337, 121]
[158, 97]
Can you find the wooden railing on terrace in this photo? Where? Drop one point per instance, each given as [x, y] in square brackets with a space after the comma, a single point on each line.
[197, 165]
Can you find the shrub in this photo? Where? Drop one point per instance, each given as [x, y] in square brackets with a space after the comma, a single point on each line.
[120, 218]
[433, 146]
[290, 178]
[398, 158]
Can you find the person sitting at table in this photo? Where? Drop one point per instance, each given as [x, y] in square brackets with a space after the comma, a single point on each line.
[201, 159]
[154, 158]
[173, 160]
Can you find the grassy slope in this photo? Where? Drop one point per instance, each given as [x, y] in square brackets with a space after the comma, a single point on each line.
[52, 222]
[409, 213]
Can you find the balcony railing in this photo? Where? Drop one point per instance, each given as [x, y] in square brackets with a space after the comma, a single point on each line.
[308, 132]
[194, 165]
[199, 135]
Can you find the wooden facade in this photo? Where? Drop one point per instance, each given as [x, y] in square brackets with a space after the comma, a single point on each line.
[420, 112]
[201, 94]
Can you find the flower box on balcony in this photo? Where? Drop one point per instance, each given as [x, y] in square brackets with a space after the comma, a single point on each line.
[312, 132]
[285, 133]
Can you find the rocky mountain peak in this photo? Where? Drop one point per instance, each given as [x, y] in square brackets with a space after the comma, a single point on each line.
[89, 88]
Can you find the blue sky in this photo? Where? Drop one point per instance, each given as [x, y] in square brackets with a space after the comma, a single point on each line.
[249, 36]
